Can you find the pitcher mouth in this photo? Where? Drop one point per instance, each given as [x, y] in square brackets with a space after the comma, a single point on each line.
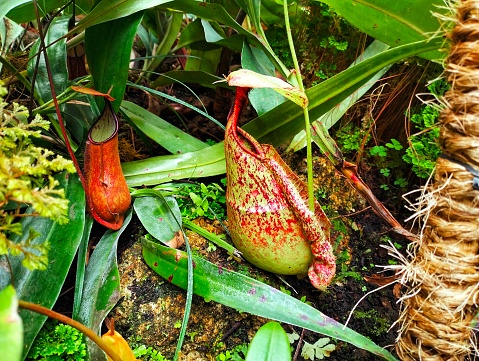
[106, 127]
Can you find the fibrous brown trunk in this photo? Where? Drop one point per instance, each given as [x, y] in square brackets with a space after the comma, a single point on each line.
[442, 272]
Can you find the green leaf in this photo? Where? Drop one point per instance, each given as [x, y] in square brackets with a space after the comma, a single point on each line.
[270, 343]
[152, 171]
[203, 60]
[11, 328]
[253, 9]
[394, 22]
[168, 136]
[249, 295]
[161, 217]
[161, 50]
[101, 289]
[7, 5]
[262, 99]
[202, 31]
[108, 10]
[23, 11]
[108, 48]
[43, 287]
[81, 267]
[57, 56]
[215, 12]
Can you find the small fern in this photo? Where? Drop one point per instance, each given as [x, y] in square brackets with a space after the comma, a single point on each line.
[58, 342]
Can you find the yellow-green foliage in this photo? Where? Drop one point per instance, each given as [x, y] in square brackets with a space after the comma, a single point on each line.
[26, 178]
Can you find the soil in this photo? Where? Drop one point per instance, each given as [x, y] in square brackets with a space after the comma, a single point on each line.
[151, 309]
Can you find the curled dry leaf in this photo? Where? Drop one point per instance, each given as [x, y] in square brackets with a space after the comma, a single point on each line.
[107, 193]
[269, 218]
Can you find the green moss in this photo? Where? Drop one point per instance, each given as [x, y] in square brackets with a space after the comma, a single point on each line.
[58, 342]
[376, 325]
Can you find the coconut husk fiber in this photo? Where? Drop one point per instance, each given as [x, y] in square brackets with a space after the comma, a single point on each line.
[442, 271]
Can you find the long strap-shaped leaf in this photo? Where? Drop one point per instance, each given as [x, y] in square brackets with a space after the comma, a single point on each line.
[249, 295]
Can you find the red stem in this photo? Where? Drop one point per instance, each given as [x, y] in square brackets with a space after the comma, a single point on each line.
[54, 98]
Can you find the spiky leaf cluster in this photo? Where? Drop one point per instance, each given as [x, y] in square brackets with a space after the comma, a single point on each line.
[26, 179]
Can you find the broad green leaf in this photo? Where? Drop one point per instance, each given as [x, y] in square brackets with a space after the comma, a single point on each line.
[202, 30]
[7, 5]
[11, 328]
[215, 12]
[262, 99]
[203, 60]
[23, 11]
[204, 54]
[168, 136]
[253, 9]
[394, 22]
[191, 34]
[57, 56]
[101, 289]
[249, 295]
[108, 48]
[217, 36]
[161, 217]
[272, 12]
[256, 60]
[108, 10]
[270, 343]
[43, 287]
[202, 163]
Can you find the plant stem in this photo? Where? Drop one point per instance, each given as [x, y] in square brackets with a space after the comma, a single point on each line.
[309, 151]
[75, 324]
[43, 48]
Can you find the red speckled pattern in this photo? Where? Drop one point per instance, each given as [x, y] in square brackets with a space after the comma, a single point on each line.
[268, 213]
